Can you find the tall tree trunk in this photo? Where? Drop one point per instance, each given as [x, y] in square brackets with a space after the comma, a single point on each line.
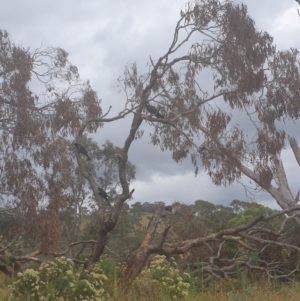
[98, 250]
[138, 260]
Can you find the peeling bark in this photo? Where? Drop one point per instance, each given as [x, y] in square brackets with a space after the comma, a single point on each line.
[138, 260]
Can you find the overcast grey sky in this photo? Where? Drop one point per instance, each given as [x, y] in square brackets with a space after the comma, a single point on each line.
[102, 36]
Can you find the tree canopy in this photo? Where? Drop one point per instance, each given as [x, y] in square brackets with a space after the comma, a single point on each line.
[50, 166]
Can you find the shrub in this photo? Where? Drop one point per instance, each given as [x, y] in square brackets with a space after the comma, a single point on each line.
[58, 280]
[166, 277]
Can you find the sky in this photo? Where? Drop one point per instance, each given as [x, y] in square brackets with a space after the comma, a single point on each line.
[102, 37]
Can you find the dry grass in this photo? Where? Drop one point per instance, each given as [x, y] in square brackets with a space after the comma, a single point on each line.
[224, 291]
[4, 283]
[227, 290]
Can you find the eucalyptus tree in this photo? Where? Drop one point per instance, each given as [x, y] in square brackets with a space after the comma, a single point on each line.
[34, 129]
[81, 208]
[218, 67]
[224, 100]
[247, 75]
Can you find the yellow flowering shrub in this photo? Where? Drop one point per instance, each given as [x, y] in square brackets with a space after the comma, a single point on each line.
[167, 277]
[58, 280]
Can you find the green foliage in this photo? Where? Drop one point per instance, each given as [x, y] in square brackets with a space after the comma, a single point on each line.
[146, 207]
[113, 271]
[255, 257]
[239, 206]
[247, 212]
[9, 225]
[165, 276]
[127, 233]
[58, 280]
[226, 290]
[215, 217]
[106, 164]
[203, 208]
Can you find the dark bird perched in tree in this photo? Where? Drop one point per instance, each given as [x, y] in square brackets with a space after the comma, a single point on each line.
[80, 148]
[151, 109]
[103, 194]
[158, 115]
[154, 111]
[168, 208]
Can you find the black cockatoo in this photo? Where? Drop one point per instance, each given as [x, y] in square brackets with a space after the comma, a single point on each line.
[154, 111]
[158, 115]
[168, 208]
[151, 109]
[80, 148]
[103, 194]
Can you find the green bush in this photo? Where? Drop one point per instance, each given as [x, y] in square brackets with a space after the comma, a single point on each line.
[165, 276]
[58, 280]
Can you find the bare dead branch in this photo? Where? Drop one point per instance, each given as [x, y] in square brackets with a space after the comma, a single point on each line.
[72, 245]
[7, 210]
[107, 112]
[164, 235]
[113, 253]
[13, 242]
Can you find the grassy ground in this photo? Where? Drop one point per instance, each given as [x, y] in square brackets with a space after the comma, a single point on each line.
[226, 290]
[142, 290]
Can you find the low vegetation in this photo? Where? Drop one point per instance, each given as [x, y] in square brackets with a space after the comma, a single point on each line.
[161, 281]
[221, 270]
